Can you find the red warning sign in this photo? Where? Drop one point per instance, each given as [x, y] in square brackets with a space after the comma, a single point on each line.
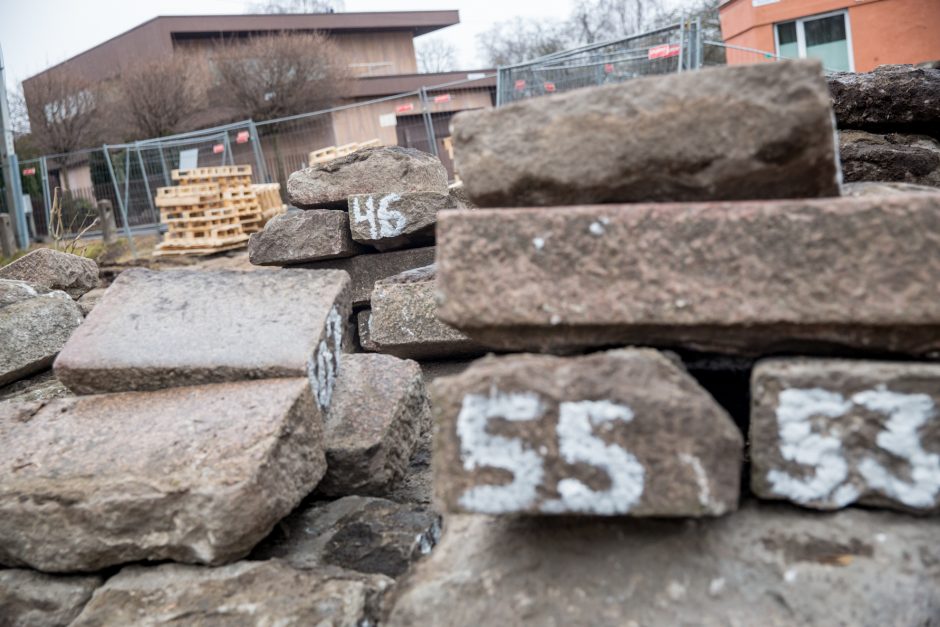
[549, 86]
[442, 98]
[29, 171]
[242, 137]
[663, 51]
[608, 68]
[218, 149]
[520, 84]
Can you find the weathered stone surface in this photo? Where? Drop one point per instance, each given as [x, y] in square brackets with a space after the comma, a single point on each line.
[416, 485]
[899, 98]
[196, 474]
[246, 593]
[31, 599]
[365, 270]
[379, 409]
[458, 192]
[39, 387]
[767, 565]
[403, 320]
[748, 277]
[54, 270]
[892, 157]
[301, 236]
[365, 534]
[828, 433]
[434, 369]
[89, 299]
[389, 220]
[620, 432]
[880, 188]
[741, 132]
[33, 331]
[369, 171]
[12, 291]
[161, 329]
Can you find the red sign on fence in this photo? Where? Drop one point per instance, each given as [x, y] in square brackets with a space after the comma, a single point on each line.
[29, 171]
[663, 51]
[218, 148]
[442, 98]
[608, 68]
[242, 137]
[520, 84]
[405, 108]
[549, 86]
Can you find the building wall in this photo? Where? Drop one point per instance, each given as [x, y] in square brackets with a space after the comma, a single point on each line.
[379, 54]
[882, 31]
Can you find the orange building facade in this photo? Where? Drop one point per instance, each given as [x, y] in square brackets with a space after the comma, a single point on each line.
[850, 35]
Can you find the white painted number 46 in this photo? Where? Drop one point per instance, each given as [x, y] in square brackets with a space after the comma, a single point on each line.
[382, 223]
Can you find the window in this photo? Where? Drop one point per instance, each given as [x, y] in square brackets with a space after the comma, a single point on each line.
[824, 37]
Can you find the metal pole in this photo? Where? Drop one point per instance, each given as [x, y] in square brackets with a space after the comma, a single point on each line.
[46, 199]
[117, 193]
[143, 172]
[428, 121]
[227, 150]
[166, 171]
[259, 153]
[499, 92]
[681, 44]
[9, 164]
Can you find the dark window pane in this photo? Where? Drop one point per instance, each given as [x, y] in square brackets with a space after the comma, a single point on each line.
[824, 30]
[786, 33]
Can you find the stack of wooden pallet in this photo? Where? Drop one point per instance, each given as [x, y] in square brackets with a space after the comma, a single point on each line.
[331, 152]
[198, 223]
[234, 183]
[269, 198]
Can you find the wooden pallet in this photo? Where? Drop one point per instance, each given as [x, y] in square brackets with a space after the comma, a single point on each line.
[222, 171]
[166, 249]
[332, 152]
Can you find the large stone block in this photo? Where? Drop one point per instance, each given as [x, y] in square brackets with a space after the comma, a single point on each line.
[33, 329]
[196, 474]
[900, 98]
[366, 534]
[303, 236]
[54, 270]
[154, 330]
[378, 411]
[621, 432]
[742, 132]
[246, 593]
[880, 188]
[892, 157]
[768, 565]
[829, 433]
[390, 221]
[369, 171]
[403, 320]
[746, 277]
[365, 270]
[31, 599]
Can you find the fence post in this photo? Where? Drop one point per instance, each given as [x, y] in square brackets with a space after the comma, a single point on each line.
[166, 172]
[46, 196]
[227, 150]
[681, 44]
[7, 237]
[261, 166]
[428, 121]
[108, 225]
[19, 212]
[117, 193]
[143, 173]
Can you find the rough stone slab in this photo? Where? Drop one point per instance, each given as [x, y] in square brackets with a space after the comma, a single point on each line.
[390, 221]
[31, 599]
[880, 188]
[458, 192]
[769, 565]
[12, 291]
[54, 270]
[745, 277]
[828, 433]
[365, 534]
[379, 409]
[365, 270]
[89, 299]
[245, 593]
[40, 387]
[198, 474]
[302, 236]
[154, 330]
[416, 486]
[403, 320]
[891, 157]
[33, 331]
[369, 171]
[434, 369]
[620, 432]
[900, 98]
[731, 133]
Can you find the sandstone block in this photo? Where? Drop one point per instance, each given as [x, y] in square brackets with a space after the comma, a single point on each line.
[12, 291]
[892, 157]
[828, 433]
[404, 322]
[880, 188]
[33, 331]
[378, 411]
[768, 565]
[301, 236]
[748, 277]
[54, 270]
[39, 387]
[368, 171]
[31, 599]
[365, 534]
[389, 221]
[900, 98]
[89, 299]
[196, 474]
[738, 132]
[245, 593]
[622, 432]
[154, 330]
[365, 270]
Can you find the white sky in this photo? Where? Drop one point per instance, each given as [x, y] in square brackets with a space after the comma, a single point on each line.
[35, 34]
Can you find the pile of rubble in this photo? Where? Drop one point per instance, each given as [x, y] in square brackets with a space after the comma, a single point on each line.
[700, 388]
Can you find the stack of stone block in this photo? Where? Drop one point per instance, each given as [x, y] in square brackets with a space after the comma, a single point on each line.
[610, 254]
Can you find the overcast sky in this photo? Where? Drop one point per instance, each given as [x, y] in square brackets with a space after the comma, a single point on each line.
[38, 33]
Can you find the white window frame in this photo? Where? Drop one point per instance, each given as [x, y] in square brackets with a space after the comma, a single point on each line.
[801, 34]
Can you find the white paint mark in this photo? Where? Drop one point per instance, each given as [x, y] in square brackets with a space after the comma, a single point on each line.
[881, 538]
[382, 223]
[323, 366]
[701, 478]
[554, 320]
[716, 586]
[596, 228]
[577, 443]
[681, 303]
[790, 575]
[538, 243]
[675, 590]
[481, 449]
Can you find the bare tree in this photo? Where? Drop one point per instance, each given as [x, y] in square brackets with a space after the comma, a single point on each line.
[601, 20]
[436, 54]
[518, 40]
[160, 97]
[272, 76]
[298, 6]
[19, 114]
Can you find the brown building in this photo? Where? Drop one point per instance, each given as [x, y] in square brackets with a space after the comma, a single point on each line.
[847, 35]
